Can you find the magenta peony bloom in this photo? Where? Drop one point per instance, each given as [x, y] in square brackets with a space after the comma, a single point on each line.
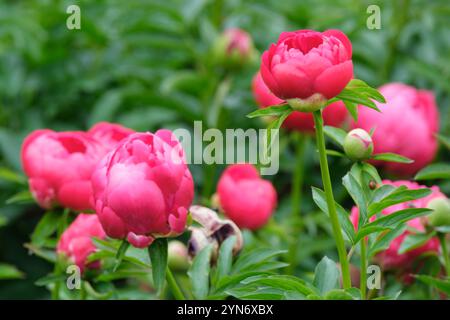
[244, 197]
[76, 241]
[59, 164]
[406, 125]
[143, 188]
[307, 67]
[59, 167]
[390, 258]
[334, 115]
[238, 42]
[109, 134]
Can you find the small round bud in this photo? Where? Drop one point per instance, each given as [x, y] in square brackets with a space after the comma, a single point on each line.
[233, 48]
[441, 212]
[358, 144]
[372, 185]
[177, 255]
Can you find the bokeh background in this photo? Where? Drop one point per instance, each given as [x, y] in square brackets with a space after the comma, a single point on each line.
[146, 65]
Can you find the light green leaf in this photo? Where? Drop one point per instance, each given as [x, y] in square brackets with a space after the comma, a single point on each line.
[326, 276]
[8, 271]
[45, 228]
[158, 257]
[276, 111]
[336, 134]
[391, 157]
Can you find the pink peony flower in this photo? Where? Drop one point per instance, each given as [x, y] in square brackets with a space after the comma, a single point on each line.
[59, 164]
[307, 68]
[406, 125]
[109, 134]
[143, 188]
[244, 197]
[238, 42]
[334, 115]
[390, 258]
[76, 240]
[59, 167]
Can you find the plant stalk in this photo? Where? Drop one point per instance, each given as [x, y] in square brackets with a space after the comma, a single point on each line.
[174, 288]
[445, 253]
[326, 180]
[363, 271]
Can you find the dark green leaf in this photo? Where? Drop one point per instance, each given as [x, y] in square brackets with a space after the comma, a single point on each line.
[158, 257]
[225, 258]
[356, 192]
[440, 284]
[247, 260]
[400, 195]
[385, 240]
[413, 241]
[21, 197]
[45, 228]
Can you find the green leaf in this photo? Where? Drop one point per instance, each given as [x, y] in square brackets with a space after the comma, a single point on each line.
[400, 195]
[352, 109]
[336, 134]
[344, 217]
[275, 125]
[276, 111]
[225, 258]
[11, 176]
[440, 284]
[434, 171]
[199, 272]
[363, 88]
[357, 98]
[413, 241]
[283, 282]
[247, 260]
[371, 171]
[335, 153]
[326, 276]
[45, 228]
[49, 279]
[8, 271]
[158, 257]
[357, 193]
[391, 157]
[21, 197]
[120, 254]
[391, 221]
[338, 294]
[385, 240]
[444, 140]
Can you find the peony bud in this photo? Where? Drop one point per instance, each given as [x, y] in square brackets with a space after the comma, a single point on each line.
[143, 188]
[358, 145]
[76, 241]
[177, 255]
[233, 48]
[441, 212]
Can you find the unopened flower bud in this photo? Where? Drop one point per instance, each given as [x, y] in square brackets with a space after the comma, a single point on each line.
[358, 144]
[441, 212]
[177, 255]
[233, 48]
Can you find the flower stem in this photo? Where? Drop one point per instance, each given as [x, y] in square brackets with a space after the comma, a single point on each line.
[326, 180]
[176, 291]
[445, 253]
[296, 196]
[363, 271]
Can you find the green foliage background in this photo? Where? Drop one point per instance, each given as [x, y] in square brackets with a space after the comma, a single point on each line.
[146, 65]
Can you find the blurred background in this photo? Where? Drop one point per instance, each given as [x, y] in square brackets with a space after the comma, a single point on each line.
[146, 65]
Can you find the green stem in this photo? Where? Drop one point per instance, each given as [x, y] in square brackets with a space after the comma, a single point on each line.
[363, 271]
[176, 291]
[445, 253]
[326, 180]
[296, 196]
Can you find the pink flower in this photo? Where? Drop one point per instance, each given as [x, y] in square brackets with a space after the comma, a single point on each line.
[334, 115]
[143, 188]
[76, 240]
[391, 258]
[307, 66]
[109, 134]
[406, 125]
[244, 197]
[59, 167]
